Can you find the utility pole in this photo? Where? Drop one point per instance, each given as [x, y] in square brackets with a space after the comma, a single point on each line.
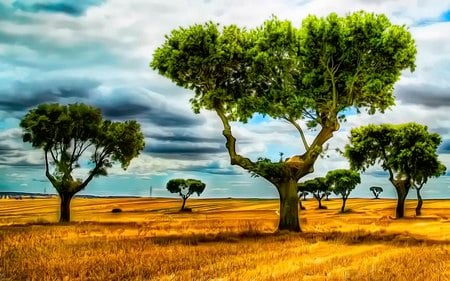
[151, 187]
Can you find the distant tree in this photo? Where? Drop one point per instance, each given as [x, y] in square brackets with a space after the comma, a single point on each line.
[318, 188]
[66, 132]
[406, 151]
[376, 190]
[301, 193]
[301, 190]
[310, 74]
[328, 193]
[185, 188]
[342, 182]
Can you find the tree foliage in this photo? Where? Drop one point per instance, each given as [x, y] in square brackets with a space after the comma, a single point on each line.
[342, 182]
[185, 188]
[376, 190]
[310, 73]
[406, 151]
[318, 188]
[67, 132]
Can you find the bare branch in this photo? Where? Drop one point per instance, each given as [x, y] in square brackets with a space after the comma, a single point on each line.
[235, 158]
[299, 129]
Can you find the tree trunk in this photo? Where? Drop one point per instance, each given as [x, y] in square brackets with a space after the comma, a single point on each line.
[65, 207]
[419, 203]
[344, 200]
[288, 206]
[402, 191]
[184, 203]
[320, 202]
[300, 205]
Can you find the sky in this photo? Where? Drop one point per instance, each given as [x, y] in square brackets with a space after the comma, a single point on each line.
[98, 52]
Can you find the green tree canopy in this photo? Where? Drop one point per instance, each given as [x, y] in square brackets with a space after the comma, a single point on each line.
[406, 151]
[376, 190]
[318, 187]
[67, 132]
[311, 73]
[185, 188]
[342, 182]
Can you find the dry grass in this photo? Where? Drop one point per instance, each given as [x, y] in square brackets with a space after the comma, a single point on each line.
[221, 240]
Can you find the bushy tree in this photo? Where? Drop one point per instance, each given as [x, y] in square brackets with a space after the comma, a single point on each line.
[312, 73]
[342, 182]
[406, 151]
[66, 132]
[185, 188]
[376, 190]
[318, 188]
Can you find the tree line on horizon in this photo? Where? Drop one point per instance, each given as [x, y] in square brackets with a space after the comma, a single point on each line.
[312, 73]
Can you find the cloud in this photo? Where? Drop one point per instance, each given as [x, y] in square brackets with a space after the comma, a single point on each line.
[23, 95]
[72, 8]
[424, 94]
[143, 104]
[444, 147]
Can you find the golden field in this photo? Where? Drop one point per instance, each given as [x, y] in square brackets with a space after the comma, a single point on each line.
[222, 239]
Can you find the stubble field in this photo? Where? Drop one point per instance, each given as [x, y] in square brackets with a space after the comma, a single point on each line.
[222, 239]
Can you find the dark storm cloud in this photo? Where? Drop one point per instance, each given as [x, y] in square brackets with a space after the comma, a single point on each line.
[183, 137]
[23, 95]
[183, 148]
[144, 105]
[213, 168]
[444, 148]
[69, 7]
[424, 94]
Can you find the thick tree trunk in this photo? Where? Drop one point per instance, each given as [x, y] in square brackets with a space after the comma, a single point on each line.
[288, 206]
[419, 203]
[402, 191]
[344, 200]
[184, 203]
[65, 198]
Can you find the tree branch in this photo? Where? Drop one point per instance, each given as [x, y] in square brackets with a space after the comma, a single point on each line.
[47, 171]
[299, 129]
[235, 158]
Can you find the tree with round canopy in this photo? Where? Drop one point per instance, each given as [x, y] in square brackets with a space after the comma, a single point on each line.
[376, 190]
[310, 74]
[406, 151]
[67, 132]
[318, 188]
[342, 182]
[185, 188]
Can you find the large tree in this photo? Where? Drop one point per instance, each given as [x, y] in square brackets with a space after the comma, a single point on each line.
[406, 151]
[342, 182]
[67, 132]
[185, 188]
[310, 74]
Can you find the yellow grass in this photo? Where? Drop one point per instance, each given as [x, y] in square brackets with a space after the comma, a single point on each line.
[225, 239]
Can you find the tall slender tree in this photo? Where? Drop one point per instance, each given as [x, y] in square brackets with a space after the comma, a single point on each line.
[67, 132]
[312, 73]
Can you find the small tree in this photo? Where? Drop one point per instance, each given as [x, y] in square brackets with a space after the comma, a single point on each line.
[66, 132]
[406, 151]
[342, 182]
[185, 188]
[376, 190]
[318, 187]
